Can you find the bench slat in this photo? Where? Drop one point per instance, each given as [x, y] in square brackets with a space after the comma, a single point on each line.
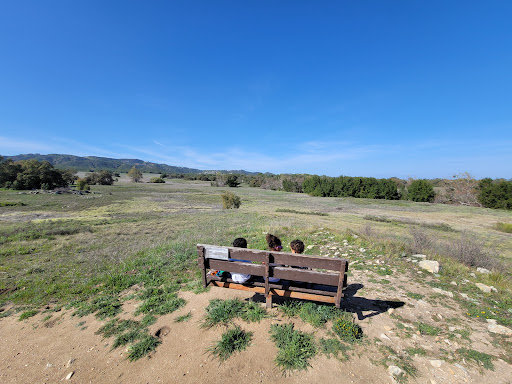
[277, 292]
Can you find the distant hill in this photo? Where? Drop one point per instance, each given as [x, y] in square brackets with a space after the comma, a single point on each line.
[94, 163]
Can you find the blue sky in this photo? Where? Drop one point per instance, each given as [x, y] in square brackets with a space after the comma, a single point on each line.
[360, 88]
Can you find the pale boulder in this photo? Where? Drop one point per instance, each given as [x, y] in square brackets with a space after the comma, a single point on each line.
[430, 265]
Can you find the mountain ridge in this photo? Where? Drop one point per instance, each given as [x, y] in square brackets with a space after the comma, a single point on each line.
[96, 163]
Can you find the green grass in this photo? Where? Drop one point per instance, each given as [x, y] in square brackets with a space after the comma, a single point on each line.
[11, 204]
[333, 347]
[295, 348]
[222, 312]
[427, 329]
[418, 351]
[504, 227]
[315, 314]
[183, 318]
[160, 301]
[415, 296]
[28, 314]
[144, 347]
[481, 359]
[233, 340]
[346, 329]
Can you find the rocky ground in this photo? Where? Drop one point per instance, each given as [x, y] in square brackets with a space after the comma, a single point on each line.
[417, 328]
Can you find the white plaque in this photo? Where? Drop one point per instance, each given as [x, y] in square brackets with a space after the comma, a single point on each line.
[220, 253]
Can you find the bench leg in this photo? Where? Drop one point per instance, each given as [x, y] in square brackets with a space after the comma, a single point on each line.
[269, 301]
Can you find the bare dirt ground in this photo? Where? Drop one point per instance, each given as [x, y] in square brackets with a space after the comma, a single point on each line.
[39, 351]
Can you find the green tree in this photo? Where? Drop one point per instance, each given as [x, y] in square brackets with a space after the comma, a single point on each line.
[135, 174]
[495, 194]
[103, 177]
[421, 190]
[232, 181]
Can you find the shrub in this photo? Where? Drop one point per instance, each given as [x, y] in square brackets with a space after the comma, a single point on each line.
[156, 180]
[504, 227]
[421, 190]
[232, 181]
[81, 185]
[135, 174]
[345, 328]
[495, 194]
[230, 200]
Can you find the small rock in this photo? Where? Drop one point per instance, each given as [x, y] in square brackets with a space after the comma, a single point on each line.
[415, 261]
[462, 368]
[440, 316]
[419, 256]
[453, 283]
[465, 296]
[483, 270]
[387, 328]
[334, 248]
[499, 329]
[437, 363]
[69, 375]
[71, 361]
[451, 329]
[394, 371]
[483, 287]
[472, 274]
[310, 246]
[383, 336]
[430, 265]
[391, 310]
[443, 292]
[362, 250]
[49, 365]
[344, 254]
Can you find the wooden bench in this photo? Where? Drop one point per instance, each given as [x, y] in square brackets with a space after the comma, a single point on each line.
[306, 283]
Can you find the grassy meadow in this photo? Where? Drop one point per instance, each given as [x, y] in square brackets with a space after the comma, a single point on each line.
[86, 251]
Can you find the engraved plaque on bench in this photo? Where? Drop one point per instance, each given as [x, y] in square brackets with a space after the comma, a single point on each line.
[221, 253]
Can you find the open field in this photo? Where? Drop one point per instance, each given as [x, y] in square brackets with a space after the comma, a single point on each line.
[128, 251]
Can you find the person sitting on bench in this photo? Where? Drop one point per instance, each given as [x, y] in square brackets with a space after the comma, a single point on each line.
[297, 246]
[274, 244]
[240, 278]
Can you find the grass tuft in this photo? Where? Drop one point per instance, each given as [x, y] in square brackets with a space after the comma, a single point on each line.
[222, 312]
[346, 329]
[332, 347]
[295, 348]
[504, 227]
[27, 314]
[233, 340]
[480, 358]
[183, 318]
[147, 345]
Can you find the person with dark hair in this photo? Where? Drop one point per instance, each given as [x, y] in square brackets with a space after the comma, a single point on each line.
[297, 246]
[240, 278]
[240, 242]
[274, 244]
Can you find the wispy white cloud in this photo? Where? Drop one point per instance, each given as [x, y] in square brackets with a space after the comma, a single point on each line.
[12, 146]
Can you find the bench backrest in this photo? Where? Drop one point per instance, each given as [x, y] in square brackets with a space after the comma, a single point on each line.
[274, 264]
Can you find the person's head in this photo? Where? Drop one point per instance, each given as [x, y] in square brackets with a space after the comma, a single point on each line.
[273, 242]
[240, 242]
[297, 246]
